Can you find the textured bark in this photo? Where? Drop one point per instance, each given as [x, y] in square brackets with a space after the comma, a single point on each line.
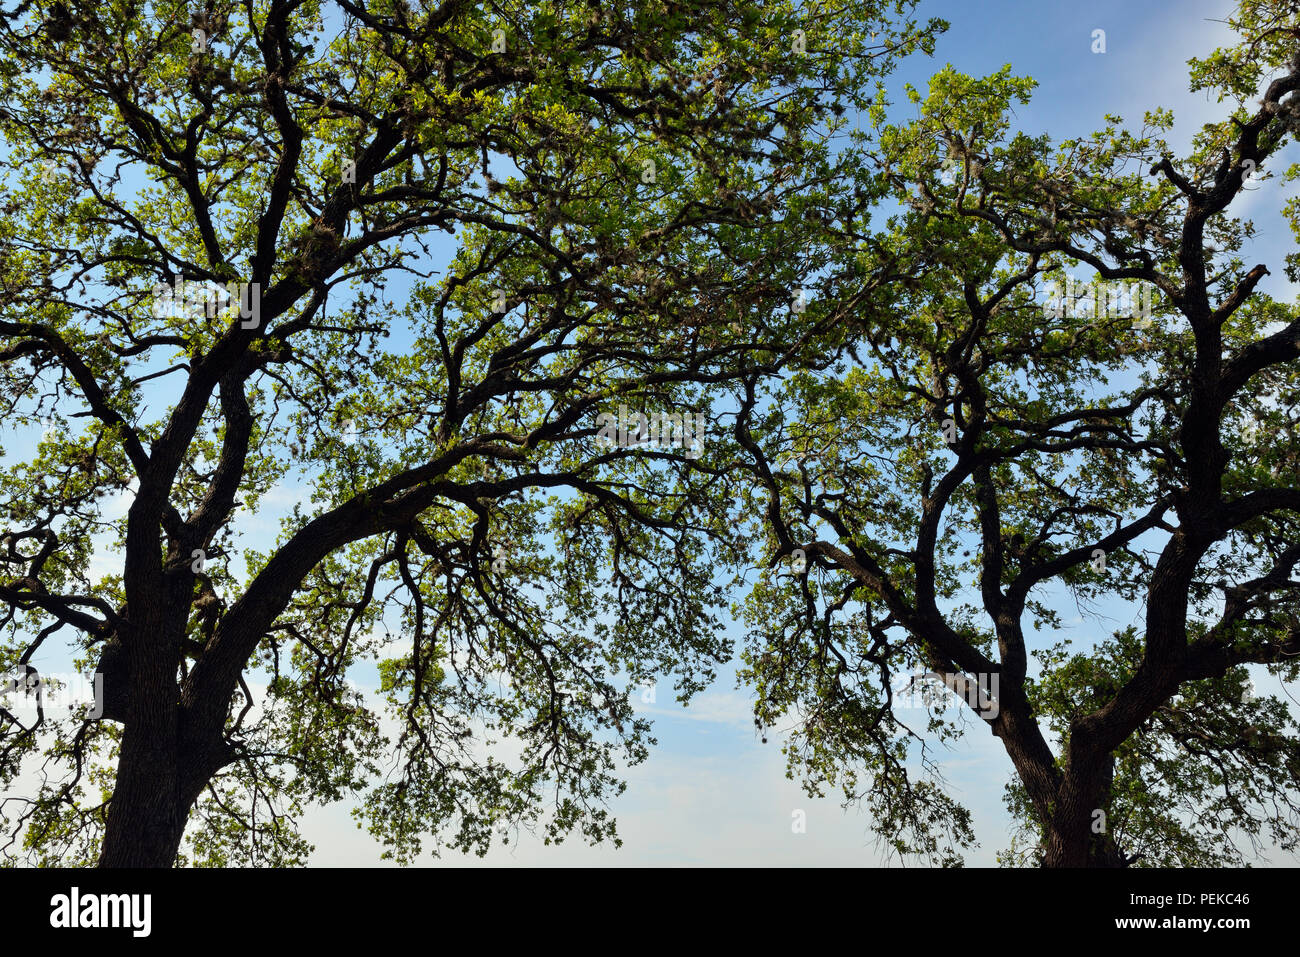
[1073, 836]
[146, 819]
[166, 756]
[164, 764]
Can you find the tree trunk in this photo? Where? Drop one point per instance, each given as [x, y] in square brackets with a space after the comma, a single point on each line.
[147, 814]
[161, 772]
[164, 762]
[1078, 834]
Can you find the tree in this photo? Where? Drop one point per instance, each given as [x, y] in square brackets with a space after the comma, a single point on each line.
[612, 188]
[1010, 436]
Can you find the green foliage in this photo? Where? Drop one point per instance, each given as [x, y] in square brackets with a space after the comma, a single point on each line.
[960, 456]
[472, 229]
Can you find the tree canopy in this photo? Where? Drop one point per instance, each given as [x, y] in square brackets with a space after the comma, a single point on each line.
[569, 314]
[1017, 434]
[431, 244]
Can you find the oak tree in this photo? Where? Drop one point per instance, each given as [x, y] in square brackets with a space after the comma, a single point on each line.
[1082, 397]
[405, 253]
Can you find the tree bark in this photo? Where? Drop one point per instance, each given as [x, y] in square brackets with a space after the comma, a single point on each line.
[147, 814]
[166, 758]
[1077, 836]
[161, 772]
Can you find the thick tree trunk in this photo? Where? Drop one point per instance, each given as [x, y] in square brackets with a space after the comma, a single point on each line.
[1078, 833]
[147, 815]
[1072, 843]
[164, 762]
[161, 772]
[1065, 801]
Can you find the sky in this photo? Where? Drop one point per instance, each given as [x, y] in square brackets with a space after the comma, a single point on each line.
[712, 792]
